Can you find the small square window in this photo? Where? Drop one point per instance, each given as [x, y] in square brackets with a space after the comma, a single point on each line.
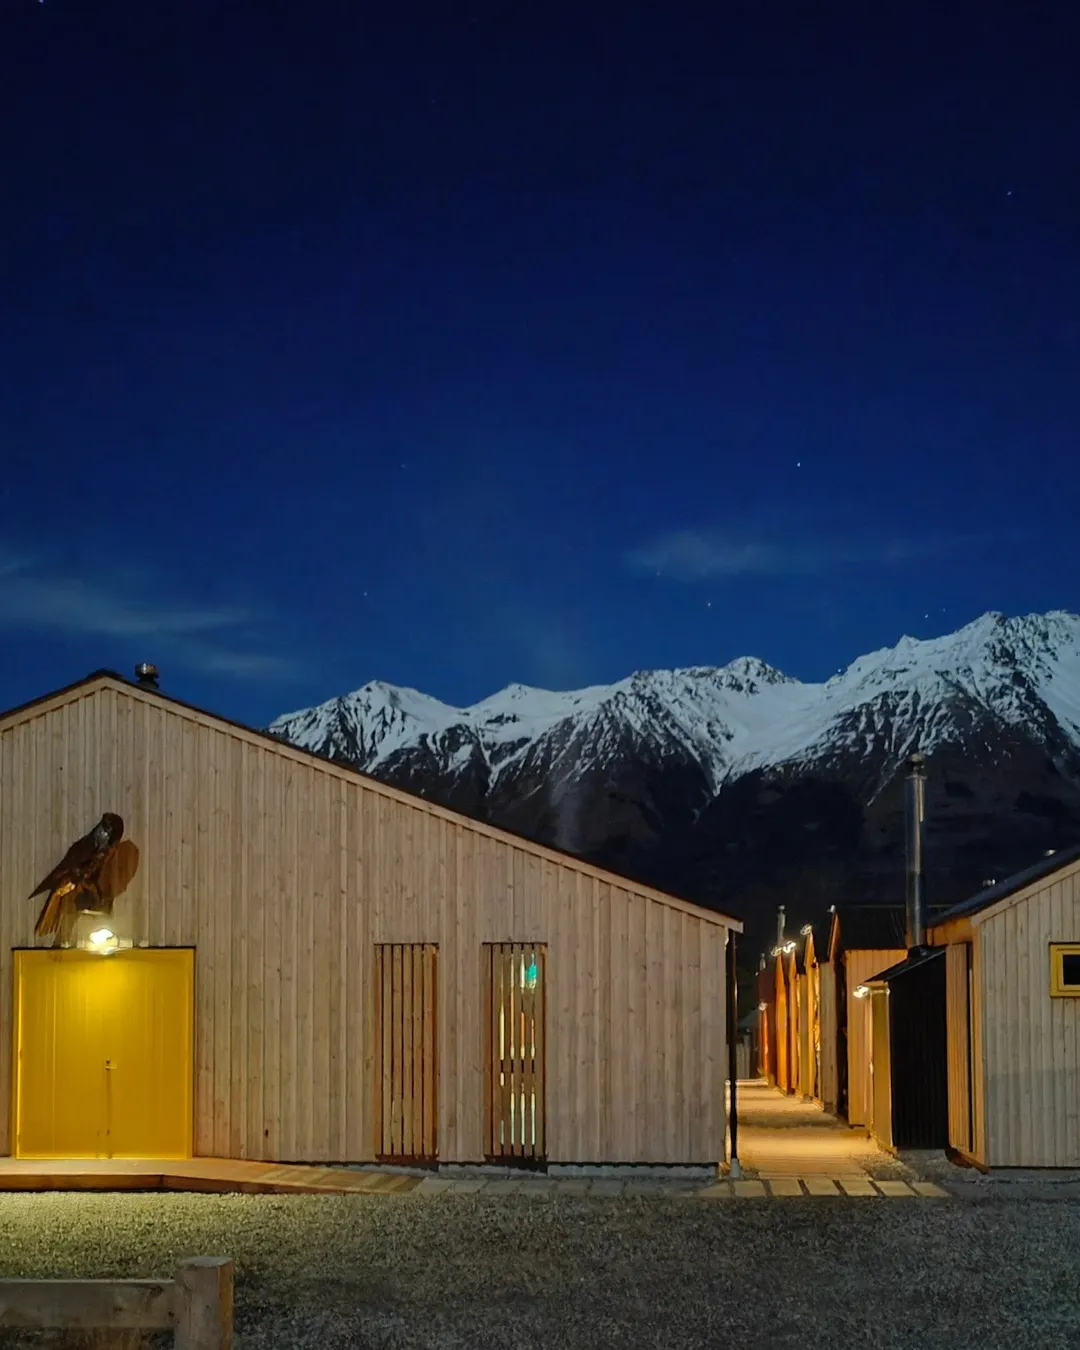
[1065, 970]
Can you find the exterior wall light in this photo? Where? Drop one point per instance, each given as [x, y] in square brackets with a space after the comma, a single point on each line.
[861, 991]
[103, 941]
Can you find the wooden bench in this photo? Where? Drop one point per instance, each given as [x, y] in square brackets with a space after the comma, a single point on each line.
[197, 1306]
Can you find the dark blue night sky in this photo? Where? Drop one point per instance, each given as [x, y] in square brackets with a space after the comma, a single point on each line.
[459, 344]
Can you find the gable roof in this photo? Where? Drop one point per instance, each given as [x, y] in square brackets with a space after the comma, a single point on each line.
[875, 927]
[870, 927]
[110, 678]
[816, 939]
[906, 966]
[1002, 890]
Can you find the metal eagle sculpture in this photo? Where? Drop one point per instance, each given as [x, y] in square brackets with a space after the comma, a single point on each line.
[92, 873]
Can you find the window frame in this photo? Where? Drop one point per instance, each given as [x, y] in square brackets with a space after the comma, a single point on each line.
[1058, 987]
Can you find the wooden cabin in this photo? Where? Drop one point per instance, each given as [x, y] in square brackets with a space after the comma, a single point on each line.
[826, 1078]
[803, 1064]
[909, 1107]
[296, 962]
[812, 959]
[765, 1030]
[864, 939]
[1012, 981]
[785, 1011]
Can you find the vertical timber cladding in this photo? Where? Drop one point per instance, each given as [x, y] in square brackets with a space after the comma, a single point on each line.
[406, 1079]
[514, 1004]
[958, 1016]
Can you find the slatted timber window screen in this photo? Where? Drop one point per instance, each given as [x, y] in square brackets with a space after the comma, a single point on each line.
[514, 1002]
[406, 1052]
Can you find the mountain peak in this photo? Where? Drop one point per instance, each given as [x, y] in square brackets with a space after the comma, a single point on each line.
[726, 720]
[696, 777]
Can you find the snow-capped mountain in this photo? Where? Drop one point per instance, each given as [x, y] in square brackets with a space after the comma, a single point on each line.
[684, 777]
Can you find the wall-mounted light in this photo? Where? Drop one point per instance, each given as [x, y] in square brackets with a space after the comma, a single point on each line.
[861, 991]
[789, 946]
[762, 1006]
[103, 941]
[806, 929]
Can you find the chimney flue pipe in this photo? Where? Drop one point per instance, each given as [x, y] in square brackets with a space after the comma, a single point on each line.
[915, 819]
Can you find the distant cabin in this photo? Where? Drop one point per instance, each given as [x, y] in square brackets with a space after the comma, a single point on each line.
[788, 1019]
[863, 940]
[778, 1017]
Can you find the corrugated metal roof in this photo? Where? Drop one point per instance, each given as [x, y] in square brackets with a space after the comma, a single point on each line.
[1001, 890]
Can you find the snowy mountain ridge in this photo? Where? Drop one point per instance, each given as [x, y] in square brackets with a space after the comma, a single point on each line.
[995, 672]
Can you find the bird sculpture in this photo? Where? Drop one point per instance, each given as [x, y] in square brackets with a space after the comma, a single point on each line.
[93, 872]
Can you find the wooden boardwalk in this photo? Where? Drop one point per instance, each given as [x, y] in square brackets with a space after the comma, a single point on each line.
[221, 1175]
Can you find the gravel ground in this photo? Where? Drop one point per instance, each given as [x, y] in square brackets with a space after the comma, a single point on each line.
[473, 1272]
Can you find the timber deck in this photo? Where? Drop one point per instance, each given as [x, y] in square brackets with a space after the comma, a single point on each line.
[219, 1175]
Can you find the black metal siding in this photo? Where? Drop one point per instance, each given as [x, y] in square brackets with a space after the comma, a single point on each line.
[918, 1056]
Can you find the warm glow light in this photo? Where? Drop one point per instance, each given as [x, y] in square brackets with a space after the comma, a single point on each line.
[861, 991]
[762, 1006]
[807, 929]
[789, 946]
[103, 940]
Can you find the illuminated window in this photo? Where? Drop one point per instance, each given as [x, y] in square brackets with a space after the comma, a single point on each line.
[1065, 970]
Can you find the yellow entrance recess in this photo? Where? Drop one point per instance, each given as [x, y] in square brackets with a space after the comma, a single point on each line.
[103, 1053]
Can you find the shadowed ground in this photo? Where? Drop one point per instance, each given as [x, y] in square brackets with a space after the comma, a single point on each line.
[518, 1271]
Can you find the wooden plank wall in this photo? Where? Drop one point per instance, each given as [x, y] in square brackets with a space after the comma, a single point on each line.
[879, 1069]
[406, 1077]
[827, 1082]
[958, 1040]
[782, 1016]
[862, 965]
[805, 1084]
[285, 873]
[792, 981]
[1031, 1042]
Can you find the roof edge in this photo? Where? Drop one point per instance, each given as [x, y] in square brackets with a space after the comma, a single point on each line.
[909, 963]
[977, 905]
[105, 677]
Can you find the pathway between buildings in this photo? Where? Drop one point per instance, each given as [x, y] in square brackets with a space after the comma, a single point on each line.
[781, 1136]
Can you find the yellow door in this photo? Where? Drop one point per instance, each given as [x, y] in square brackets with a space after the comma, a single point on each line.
[103, 1053]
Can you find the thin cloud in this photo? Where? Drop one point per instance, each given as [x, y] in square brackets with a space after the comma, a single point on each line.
[706, 555]
[202, 637]
[243, 665]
